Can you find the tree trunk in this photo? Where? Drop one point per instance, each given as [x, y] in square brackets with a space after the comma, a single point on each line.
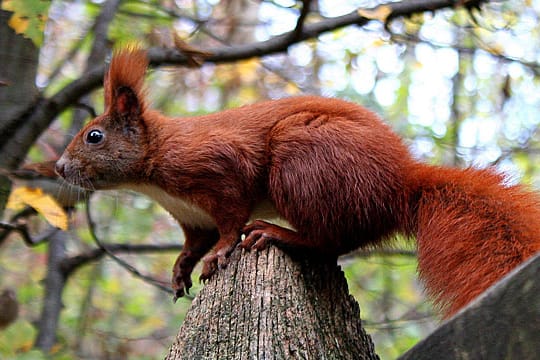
[55, 282]
[18, 68]
[266, 305]
[18, 60]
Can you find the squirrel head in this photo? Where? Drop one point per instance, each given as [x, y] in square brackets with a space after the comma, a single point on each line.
[113, 146]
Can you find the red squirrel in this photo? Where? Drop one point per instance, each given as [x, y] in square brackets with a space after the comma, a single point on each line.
[338, 175]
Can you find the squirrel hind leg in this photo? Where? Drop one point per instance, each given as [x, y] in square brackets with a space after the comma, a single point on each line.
[259, 234]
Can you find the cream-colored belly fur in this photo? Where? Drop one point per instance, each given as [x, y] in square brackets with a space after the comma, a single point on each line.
[192, 215]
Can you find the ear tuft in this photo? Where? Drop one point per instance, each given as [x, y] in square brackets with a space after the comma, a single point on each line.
[124, 81]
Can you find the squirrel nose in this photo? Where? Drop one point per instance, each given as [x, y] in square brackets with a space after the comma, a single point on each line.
[59, 167]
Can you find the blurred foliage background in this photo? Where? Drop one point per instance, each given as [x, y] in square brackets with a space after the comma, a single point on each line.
[461, 85]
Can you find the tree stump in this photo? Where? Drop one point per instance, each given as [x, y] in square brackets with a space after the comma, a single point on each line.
[267, 305]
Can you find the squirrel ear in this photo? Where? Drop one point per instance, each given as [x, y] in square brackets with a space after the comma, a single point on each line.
[125, 102]
[124, 93]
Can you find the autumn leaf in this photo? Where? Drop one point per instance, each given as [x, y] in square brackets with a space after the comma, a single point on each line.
[18, 23]
[29, 17]
[378, 43]
[292, 88]
[247, 69]
[43, 203]
[380, 13]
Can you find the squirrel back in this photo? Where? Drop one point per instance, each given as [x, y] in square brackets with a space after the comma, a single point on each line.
[336, 173]
[347, 181]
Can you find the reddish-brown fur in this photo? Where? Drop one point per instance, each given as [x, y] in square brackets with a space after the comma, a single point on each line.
[331, 168]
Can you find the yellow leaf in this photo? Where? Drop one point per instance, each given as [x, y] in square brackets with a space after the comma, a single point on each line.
[8, 5]
[247, 94]
[26, 346]
[18, 23]
[378, 43]
[43, 203]
[55, 348]
[495, 49]
[248, 70]
[380, 13]
[291, 88]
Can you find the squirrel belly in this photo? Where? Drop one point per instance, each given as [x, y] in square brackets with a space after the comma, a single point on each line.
[181, 209]
[340, 177]
[189, 214]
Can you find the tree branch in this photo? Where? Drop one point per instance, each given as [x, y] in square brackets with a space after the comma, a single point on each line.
[69, 265]
[306, 4]
[415, 39]
[22, 229]
[97, 55]
[130, 268]
[45, 110]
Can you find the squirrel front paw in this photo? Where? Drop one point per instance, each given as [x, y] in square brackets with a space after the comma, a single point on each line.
[209, 267]
[212, 262]
[181, 282]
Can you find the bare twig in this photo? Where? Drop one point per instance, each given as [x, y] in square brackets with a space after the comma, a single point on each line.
[414, 39]
[88, 108]
[130, 268]
[68, 57]
[22, 229]
[399, 323]
[73, 263]
[301, 19]
[365, 253]
[27, 211]
[99, 29]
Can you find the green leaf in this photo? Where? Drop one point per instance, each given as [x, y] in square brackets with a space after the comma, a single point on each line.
[29, 17]
[17, 338]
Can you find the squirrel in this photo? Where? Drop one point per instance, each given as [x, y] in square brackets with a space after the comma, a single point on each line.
[338, 175]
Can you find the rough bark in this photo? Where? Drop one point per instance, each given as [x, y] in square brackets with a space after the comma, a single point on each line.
[18, 60]
[267, 305]
[18, 67]
[55, 282]
[501, 324]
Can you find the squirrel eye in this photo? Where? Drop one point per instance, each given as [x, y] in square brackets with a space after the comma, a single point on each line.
[94, 137]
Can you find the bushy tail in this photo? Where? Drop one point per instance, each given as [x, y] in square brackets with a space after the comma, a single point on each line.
[472, 228]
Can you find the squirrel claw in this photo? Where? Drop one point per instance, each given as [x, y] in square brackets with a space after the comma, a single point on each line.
[212, 263]
[209, 268]
[256, 240]
[222, 258]
[257, 236]
[181, 283]
[179, 292]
